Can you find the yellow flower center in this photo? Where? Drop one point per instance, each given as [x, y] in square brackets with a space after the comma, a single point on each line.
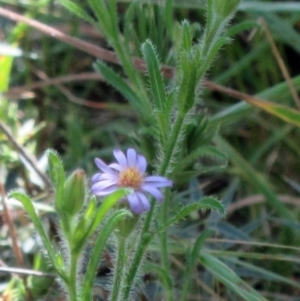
[130, 177]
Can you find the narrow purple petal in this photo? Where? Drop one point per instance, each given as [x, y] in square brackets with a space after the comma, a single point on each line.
[141, 164]
[101, 165]
[152, 190]
[158, 181]
[159, 184]
[120, 157]
[144, 200]
[131, 157]
[135, 204]
[96, 177]
[116, 166]
[104, 176]
[103, 192]
[103, 185]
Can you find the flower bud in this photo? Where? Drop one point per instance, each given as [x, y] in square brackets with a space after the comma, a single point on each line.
[74, 193]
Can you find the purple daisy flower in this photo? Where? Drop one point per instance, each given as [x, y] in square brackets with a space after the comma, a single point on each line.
[129, 172]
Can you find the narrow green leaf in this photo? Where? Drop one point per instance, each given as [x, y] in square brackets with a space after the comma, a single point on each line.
[37, 206]
[186, 36]
[6, 61]
[91, 209]
[287, 114]
[267, 275]
[155, 76]
[204, 151]
[242, 65]
[92, 267]
[211, 54]
[56, 169]
[225, 8]
[239, 111]
[130, 35]
[112, 10]
[170, 101]
[248, 6]
[27, 203]
[141, 23]
[224, 274]
[5, 68]
[253, 177]
[204, 204]
[77, 10]
[191, 262]
[188, 83]
[101, 11]
[260, 6]
[168, 15]
[209, 11]
[120, 84]
[182, 176]
[58, 178]
[106, 204]
[84, 223]
[241, 27]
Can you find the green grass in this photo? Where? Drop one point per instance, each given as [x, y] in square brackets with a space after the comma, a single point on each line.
[254, 251]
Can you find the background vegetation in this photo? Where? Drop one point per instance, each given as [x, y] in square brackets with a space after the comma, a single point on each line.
[54, 96]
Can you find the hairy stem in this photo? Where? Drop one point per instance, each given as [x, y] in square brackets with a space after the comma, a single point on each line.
[164, 252]
[72, 283]
[116, 293]
[144, 237]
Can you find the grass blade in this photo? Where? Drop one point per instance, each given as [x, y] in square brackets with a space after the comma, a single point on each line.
[224, 274]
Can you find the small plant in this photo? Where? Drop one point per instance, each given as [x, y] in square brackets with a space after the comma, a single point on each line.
[124, 185]
[131, 206]
[80, 216]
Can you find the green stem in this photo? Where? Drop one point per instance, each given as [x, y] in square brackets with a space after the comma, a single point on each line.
[164, 212]
[164, 252]
[72, 283]
[144, 237]
[171, 146]
[116, 294]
